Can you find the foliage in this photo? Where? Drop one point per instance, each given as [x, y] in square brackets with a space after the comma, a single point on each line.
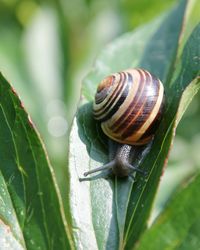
[100, 214]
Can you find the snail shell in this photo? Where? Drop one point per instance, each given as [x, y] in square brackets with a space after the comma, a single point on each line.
[129, 106]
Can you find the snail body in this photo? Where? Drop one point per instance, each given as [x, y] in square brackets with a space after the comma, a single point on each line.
[129, 106]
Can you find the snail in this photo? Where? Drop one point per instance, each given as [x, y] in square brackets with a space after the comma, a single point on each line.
[129, 106]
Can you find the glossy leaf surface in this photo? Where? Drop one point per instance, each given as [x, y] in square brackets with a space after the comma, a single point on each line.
[178, 226]
[31, 214]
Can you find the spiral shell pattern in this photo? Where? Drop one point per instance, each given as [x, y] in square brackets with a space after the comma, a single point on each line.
[129, 105]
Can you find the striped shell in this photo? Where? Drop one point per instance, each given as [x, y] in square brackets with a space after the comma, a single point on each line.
[129, 105]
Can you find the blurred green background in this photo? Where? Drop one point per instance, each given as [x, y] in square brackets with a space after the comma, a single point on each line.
[46, 49]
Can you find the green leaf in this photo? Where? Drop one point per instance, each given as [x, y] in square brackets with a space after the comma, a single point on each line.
[178, 225]
[31, 213]
[113, 213]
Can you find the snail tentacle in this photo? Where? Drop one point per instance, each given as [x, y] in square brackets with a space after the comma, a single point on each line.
[104, 167]
[104, 174]
[136, 169]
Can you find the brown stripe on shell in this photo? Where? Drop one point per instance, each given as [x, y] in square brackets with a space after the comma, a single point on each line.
[119, 124]
[103, 89]
[152, 128]
[136, 112]
[113, 109]
[101, 112]
[110, 92]
[146, 108]
[118, 88]
[136, 107]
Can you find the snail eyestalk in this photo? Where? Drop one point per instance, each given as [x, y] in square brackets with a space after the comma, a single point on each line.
[104, 167]
[137, 169]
